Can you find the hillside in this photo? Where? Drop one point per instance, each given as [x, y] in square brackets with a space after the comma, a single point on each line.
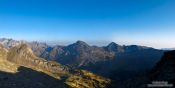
[164, 70]
[20, 61]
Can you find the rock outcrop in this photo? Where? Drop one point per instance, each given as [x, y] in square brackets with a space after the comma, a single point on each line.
[5, 65]
[3, 52]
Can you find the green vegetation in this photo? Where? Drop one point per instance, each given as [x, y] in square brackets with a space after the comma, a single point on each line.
[85, 79]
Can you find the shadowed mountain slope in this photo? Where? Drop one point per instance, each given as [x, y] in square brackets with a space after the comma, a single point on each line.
[28, 78]
[22, 55]
[164, 70]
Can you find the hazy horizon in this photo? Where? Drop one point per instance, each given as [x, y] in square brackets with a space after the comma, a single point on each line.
[91, 43]
[97, 22]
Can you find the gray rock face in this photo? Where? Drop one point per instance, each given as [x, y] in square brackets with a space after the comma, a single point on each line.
[80, 54]
[38, 48]
[8, 43]
[24, 56]
[3, 52]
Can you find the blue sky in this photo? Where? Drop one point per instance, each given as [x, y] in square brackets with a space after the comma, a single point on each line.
[143, 22]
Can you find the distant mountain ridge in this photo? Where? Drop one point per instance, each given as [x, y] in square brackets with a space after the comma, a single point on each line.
[100, 60]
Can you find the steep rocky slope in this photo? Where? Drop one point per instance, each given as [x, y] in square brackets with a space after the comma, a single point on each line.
[81, 54]
[22, 55]
[164, 70]
[162, 75]
[5, 65]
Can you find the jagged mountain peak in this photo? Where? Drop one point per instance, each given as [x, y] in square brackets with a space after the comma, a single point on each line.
[79, 42]
[114, 47]
[20, 54]
[112, 44]
[78, 45]
[9, 43]
[23, 48]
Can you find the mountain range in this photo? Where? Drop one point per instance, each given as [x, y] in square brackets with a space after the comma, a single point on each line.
[117, 62]
[19, 65]
[82, 55]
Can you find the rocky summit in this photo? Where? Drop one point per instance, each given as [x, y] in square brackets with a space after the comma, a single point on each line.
[20, 68]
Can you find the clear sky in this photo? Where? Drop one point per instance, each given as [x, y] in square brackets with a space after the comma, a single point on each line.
[142, 22]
